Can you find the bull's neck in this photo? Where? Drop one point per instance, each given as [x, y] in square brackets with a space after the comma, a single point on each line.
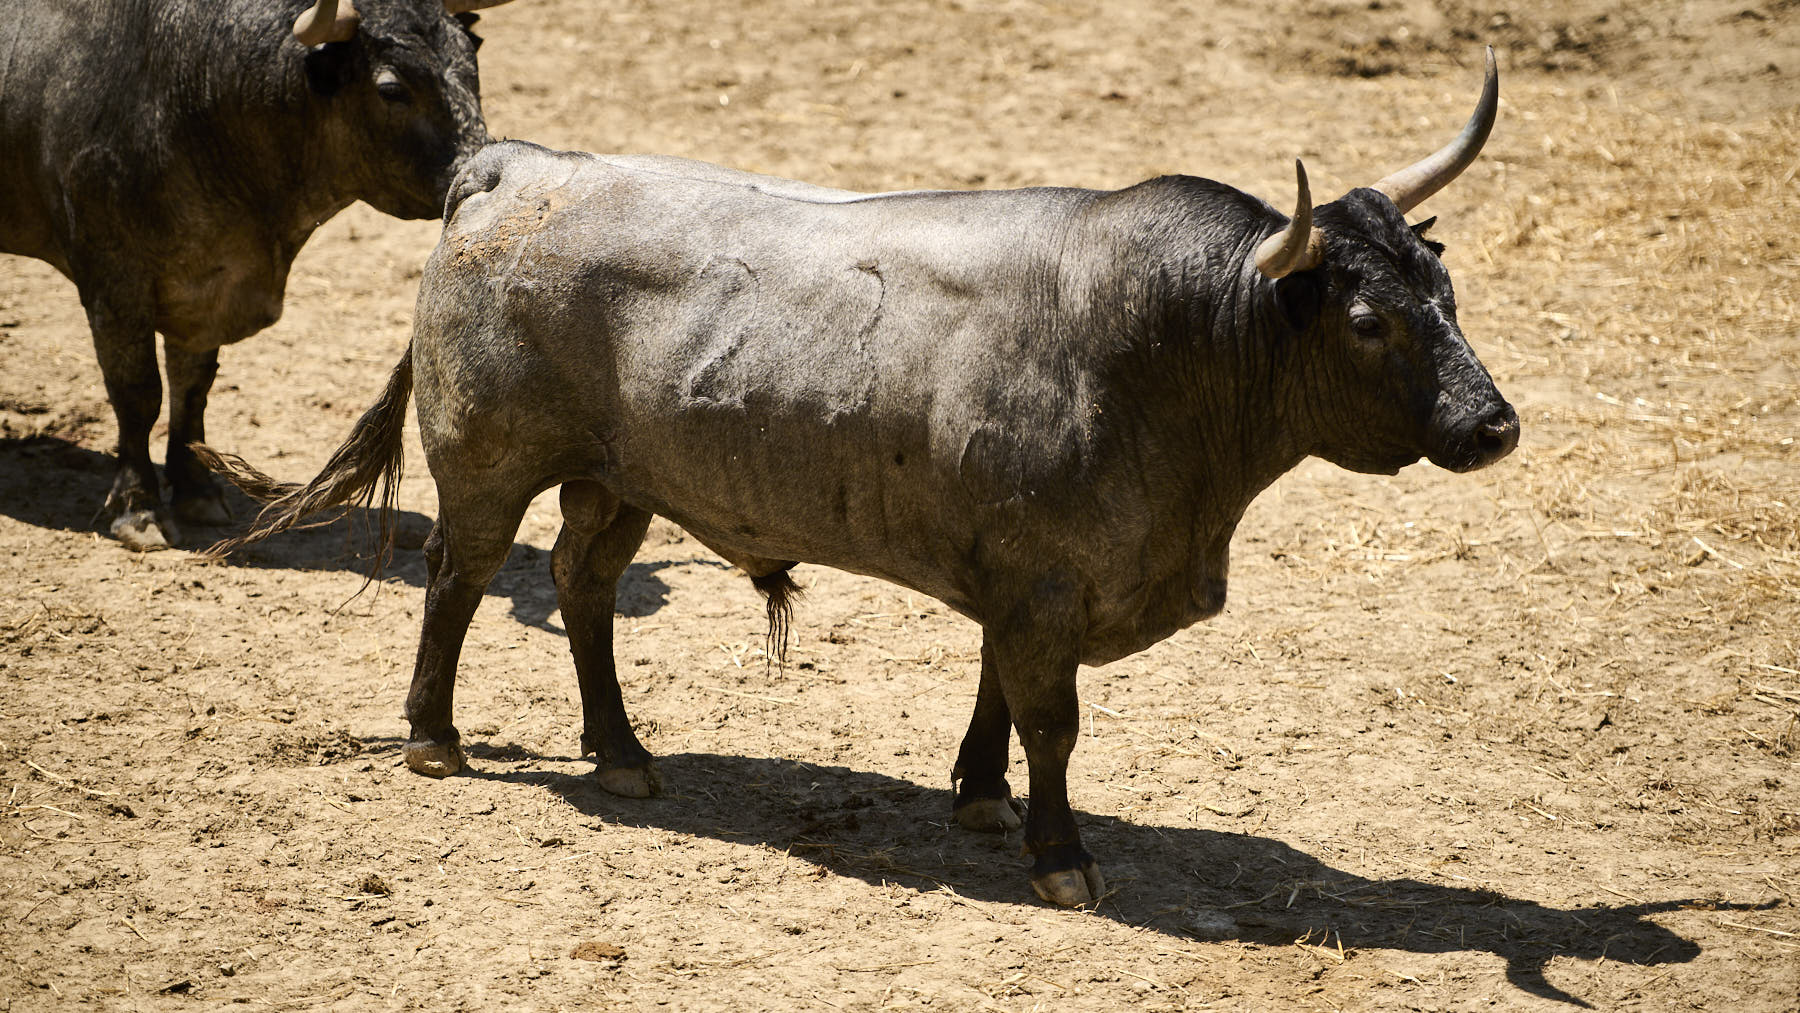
[251, 102]
[1195, 393]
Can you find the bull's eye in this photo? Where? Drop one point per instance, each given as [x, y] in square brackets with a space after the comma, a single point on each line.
[391, 88]
[1367, 325]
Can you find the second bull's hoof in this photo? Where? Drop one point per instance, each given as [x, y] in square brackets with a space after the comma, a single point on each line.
[1071, 887]
[144, 531]
[630, 782]
[989, 815]
[434, 759]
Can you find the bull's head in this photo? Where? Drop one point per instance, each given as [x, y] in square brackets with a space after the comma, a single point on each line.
[402, 93]
[1394, 378]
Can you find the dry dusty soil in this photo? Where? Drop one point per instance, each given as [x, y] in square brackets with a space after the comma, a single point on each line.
[1523, 739]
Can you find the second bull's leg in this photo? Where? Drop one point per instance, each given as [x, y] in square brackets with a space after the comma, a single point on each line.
[599, 536]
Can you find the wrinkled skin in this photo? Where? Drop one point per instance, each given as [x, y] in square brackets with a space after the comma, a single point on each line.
[1046, 408]
[172, 158]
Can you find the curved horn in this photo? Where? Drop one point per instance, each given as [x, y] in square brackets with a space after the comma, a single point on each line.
[464, 6]
[1410, 186]
[1298, 247]
[323, 22]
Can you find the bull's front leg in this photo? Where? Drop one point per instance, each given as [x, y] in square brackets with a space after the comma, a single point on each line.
[1035, 656]
[125, 343]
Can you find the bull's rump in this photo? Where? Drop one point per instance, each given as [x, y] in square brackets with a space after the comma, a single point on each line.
[795, 375]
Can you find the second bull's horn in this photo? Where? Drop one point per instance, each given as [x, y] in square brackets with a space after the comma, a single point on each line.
[1298, 247]
[323, 22]
[1410, 186]
[464, 6]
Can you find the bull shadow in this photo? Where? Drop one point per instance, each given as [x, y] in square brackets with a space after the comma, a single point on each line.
[1184, 882]
[58, 485]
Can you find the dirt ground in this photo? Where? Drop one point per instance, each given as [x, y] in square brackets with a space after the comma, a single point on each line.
[1523, 739]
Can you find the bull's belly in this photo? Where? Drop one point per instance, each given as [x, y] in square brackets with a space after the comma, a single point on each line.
[919, 559]
[938, 544]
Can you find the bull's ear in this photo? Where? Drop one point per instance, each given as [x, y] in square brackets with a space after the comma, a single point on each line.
[467, 19]
[1433, 245]
[330, 67]
[1298, 297]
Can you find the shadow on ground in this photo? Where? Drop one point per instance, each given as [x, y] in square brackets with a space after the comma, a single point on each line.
[51, 483]
[1181, 881]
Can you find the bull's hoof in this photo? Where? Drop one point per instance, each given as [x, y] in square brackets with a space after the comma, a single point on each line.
[1071, 887]
[990, 815]
[144, 531]
[206, 508]
[630, 782]
[434, 759]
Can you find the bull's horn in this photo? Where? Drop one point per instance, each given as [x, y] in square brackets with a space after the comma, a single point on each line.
[323, 22]
[1409, 187]
[464, 6]
[1298, 247]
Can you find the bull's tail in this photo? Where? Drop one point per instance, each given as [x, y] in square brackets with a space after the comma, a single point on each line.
[372, 458]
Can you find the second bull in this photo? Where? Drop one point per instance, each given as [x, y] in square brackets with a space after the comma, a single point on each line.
[171, 158]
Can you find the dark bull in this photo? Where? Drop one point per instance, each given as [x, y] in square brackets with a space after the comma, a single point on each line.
[1046, 408]
[171, 158]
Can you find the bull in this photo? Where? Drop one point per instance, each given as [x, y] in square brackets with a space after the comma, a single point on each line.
[1046, 408]
[171, 158]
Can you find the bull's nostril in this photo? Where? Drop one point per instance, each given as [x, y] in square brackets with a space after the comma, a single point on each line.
[1496, 437]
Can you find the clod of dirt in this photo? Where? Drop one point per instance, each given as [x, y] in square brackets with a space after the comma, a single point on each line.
[591, 950]
[373, 884]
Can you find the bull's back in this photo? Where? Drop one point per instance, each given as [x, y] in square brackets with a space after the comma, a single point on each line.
[796, 374]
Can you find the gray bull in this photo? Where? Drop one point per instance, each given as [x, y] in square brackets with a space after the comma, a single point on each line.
[170, 157]
[1046, 408]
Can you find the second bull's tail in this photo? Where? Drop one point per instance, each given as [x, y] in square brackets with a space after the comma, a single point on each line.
[371, 458]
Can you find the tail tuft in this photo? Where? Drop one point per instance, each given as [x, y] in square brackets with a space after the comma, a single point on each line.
[372, 458]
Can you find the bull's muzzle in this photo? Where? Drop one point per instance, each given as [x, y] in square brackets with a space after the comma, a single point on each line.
[1480, 442]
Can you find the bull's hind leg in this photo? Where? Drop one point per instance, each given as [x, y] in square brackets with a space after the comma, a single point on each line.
[600, 535]
[467, 546]
[984, 800]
